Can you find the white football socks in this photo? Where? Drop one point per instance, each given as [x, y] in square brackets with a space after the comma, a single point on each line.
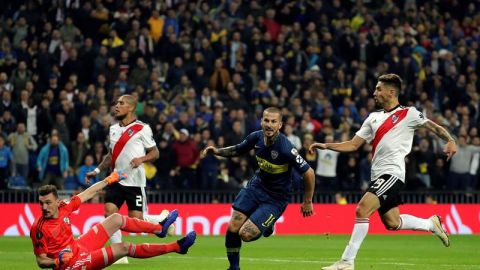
[116, 237]
[360, 230]
[409, 222]
[152, 218]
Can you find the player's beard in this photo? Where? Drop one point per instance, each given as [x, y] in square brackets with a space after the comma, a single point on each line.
[120, 117]
[271, 139]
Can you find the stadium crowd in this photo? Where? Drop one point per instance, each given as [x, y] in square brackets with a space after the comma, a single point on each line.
[203, 71]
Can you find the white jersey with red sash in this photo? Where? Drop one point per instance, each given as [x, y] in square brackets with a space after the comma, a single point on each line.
[391, 135]
[129, 142]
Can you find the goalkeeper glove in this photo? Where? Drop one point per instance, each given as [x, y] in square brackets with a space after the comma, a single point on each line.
[115, 177]
[64, 257]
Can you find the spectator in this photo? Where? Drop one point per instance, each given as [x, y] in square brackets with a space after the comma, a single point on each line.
[22, 144]
[294, 139]
[326, 170]
[86, 167]
[79, 149]
[52, 162]
[187, 154]
[209, 170]
[6, 164]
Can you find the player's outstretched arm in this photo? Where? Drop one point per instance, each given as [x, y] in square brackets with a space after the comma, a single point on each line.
[95, 188]
[450, 147]
[307, 206]
[228, 151]
[347, 146]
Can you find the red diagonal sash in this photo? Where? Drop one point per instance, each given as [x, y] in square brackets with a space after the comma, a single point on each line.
[391, 121]
[126, 135]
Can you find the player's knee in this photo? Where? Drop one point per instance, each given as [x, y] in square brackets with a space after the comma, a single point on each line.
[109, 212]
[125, 247]
[391, 225]
[234, 228]
[361, 212]
[249, 236]
[246, 237]
[115, 219]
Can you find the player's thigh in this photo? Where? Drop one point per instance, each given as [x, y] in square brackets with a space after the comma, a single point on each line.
[267, 214]
[387, 190]
[135, 198]
[101, 258]
[246, 201]
[367, 205]
[94, 238]
[249, 231]
[114, 198]
[93, 260]
[110, 208]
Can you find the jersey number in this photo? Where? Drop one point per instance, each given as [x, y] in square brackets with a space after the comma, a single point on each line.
[269, 221]
[138, 200]
[378, 183]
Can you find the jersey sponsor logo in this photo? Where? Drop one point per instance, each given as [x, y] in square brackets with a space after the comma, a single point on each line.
[386, 126]
[269, 167]
[299, 159]
[66, 220]
[130, 132]
[274, 154]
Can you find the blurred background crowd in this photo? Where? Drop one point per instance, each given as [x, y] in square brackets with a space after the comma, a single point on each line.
[203, 71]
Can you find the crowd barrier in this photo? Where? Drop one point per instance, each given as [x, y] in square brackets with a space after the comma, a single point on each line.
[212, 219]
[228, 196]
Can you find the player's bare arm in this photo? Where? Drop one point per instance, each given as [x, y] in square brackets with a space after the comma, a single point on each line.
[107, 160]
[152, 155]
[450, 147]
[229, 151]
[45, 262]
[95, 188]
[346, 146]
[307, 206]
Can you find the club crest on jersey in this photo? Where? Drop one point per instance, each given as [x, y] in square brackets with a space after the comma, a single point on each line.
[394, 119]
[66, 220]
[130, 132]
[274, 154]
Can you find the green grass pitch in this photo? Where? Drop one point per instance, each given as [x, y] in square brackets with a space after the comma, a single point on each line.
[392, 252]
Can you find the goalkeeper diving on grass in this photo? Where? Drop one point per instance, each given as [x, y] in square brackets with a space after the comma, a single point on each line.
[261, 203]
[55, 247]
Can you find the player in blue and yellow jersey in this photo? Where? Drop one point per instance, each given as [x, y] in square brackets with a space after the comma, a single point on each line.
[259, 205]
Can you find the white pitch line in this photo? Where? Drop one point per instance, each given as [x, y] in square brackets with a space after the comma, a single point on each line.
[381, 261]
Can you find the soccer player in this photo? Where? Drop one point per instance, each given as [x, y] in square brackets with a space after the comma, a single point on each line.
[131, 144]
[55, 247]
[390, 132]
[259, 205]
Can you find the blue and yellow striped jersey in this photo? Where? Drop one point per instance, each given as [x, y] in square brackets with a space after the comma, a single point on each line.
[275, 163]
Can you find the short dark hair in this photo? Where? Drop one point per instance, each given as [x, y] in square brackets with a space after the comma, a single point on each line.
[274, 110]
[47, 189]
[392, 80]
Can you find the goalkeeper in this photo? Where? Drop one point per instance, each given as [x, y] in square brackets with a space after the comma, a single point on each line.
[55, 247]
